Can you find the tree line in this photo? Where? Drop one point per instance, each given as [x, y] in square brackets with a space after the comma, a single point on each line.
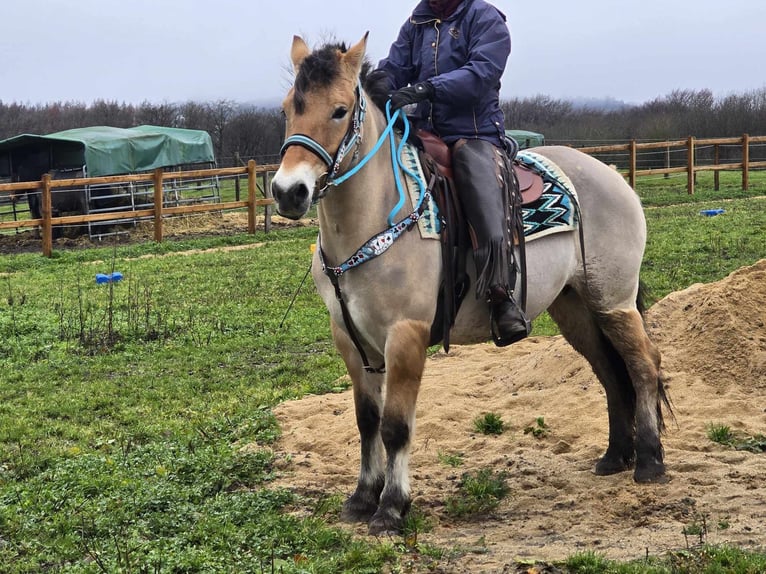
[241, 131]
[680, 114]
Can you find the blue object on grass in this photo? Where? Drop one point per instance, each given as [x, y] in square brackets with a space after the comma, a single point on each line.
[712, 212]
[102, 278]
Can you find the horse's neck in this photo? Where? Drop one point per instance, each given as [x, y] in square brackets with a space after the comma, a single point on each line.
[358, 208]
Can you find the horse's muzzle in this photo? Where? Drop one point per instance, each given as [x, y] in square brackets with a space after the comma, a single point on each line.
[292, 202]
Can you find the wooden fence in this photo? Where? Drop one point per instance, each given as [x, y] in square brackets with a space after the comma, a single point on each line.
[691, 168]
[156, 213]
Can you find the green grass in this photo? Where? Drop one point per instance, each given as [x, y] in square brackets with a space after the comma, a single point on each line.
[724, 435]
[489, 423]
[123, 411]
[705, 559]
[478, 494]
[539, 429]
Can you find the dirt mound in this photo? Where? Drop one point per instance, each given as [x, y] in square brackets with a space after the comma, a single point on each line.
[713, 342]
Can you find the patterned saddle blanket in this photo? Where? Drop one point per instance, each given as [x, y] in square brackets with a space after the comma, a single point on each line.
[553, 212]
[556, 209]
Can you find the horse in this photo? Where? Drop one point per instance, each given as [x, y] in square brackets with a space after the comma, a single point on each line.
[381, 311]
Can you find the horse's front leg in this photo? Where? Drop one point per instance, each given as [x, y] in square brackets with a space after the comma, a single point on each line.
[405, 359]
[368, 404]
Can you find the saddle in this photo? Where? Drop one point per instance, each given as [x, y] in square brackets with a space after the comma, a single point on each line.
[436, 161]
[530, 183]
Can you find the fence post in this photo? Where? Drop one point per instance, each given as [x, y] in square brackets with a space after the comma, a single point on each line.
[157, 177]
[267, 194]
[47, 212]
[717, 161]
[237, 161]
[745, 162]
[690, 166]
[633, 164]
[251, 196]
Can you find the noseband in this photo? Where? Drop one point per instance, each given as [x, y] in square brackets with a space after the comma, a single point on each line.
[353, 138]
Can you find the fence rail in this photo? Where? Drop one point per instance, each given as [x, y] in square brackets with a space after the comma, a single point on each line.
[156, 213]
[690, 146]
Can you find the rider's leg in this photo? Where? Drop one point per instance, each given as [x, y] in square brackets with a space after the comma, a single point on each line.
[478, 171]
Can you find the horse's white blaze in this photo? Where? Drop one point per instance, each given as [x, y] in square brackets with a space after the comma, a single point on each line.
[287, 177]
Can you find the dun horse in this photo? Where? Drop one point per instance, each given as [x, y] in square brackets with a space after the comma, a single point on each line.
[382, 308]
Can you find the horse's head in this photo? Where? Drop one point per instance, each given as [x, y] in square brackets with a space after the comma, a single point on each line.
[321, 110]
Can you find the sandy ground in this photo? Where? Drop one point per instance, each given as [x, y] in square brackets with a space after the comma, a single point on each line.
[713, 340]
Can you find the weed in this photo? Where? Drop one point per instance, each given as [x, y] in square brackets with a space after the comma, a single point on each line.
[721, 434]
[489, 423]
[414, 523]
[539, 429]
[453, 460]
[696, 528]
[479, 493]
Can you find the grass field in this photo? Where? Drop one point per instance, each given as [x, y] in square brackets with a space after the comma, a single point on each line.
[124, 407]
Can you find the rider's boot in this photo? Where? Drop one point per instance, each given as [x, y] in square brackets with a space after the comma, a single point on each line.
[478, 168]
[507, 320]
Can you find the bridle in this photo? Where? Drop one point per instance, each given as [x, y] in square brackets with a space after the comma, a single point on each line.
[352, 139]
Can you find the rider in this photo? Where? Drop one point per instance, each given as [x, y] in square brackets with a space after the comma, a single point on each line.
[448, 59]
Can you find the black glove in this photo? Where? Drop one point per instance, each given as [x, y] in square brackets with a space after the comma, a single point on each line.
[412, 95]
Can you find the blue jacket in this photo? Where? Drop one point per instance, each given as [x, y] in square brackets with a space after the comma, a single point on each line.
[463, 57]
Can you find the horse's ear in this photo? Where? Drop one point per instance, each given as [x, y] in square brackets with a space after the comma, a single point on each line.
[354, 57]
[298, 52]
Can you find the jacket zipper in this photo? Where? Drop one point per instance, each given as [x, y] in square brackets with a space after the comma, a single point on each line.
[436, 22]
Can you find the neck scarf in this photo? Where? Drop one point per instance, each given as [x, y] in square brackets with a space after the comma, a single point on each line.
[444, 8]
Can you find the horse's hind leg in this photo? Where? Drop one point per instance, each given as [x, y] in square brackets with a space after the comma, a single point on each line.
[368, 404]
[405, 359]
[625, 329]
[579, 327]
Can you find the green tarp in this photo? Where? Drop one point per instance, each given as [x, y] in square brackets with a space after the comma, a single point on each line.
[525, 138]
[106, 150]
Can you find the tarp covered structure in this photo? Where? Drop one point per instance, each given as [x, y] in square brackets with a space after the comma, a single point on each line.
[526, 138]
[105, 150]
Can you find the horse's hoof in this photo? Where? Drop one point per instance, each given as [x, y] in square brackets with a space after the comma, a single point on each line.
[612, 465]
[356, 510]
[385, 524]
[653, 473]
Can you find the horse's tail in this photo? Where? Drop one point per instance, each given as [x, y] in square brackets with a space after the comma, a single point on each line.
[643, 296]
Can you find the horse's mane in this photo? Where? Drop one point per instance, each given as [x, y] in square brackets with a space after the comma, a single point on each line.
[377, 85]
[321, 68]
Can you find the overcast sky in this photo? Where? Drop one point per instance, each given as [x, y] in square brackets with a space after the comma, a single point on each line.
[207, 50]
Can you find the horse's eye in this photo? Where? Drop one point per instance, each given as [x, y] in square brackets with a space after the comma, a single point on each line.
[340, 113]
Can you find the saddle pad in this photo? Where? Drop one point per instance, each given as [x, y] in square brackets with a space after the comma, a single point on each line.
[556, 209]
[428, 224]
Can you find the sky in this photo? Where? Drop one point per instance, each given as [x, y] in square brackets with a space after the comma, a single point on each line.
[176, 51]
